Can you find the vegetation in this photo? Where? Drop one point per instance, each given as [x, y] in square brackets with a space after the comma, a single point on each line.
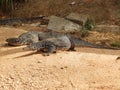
[89, 24]
[7, 6]
[116, 44]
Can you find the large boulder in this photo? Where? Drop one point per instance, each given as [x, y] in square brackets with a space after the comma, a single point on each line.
[78, 18]
[57, 23]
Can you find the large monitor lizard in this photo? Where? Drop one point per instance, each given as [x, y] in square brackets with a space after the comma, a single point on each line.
[51, 45]
[12, 21]
[36, 36]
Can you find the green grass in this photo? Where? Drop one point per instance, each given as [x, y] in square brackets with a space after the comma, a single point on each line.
[116, 44]
[89, 24]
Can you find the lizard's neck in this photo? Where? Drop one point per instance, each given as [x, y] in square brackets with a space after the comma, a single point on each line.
[39, 45]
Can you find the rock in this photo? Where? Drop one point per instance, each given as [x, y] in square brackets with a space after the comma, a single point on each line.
[78, 18]
[57, 23]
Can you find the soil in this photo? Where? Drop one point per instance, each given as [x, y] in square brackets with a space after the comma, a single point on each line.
[84, 69]
[102, 11]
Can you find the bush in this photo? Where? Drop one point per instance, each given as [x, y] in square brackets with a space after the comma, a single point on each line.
[89, 24]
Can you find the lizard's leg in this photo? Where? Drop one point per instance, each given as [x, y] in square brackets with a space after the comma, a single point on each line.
[50, 49]
[72, 48]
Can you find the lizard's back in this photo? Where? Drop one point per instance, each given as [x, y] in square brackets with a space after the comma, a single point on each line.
[62, 42]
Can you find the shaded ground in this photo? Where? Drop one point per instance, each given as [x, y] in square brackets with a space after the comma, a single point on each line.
[85, 69]
[103, 11]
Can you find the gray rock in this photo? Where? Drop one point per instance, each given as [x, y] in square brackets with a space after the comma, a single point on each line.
[57, 23]
[78, 18]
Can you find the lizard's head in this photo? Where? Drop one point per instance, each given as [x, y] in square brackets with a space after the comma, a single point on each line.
[13, 41]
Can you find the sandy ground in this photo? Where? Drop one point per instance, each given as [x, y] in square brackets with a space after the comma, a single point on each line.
[85, 69]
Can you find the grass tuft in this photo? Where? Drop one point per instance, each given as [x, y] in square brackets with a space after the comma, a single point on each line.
[89, 24]
[116, 44]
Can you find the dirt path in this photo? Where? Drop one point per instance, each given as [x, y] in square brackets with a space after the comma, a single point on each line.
[85, 69]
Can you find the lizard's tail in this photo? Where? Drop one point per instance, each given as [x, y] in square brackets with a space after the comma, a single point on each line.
[79, 42]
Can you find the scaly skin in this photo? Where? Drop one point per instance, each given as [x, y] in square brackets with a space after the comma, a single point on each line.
[51, 45]
[35, 36]
[24, 39]
[11, 21]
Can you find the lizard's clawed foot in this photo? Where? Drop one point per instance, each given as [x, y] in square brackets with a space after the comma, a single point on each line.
[71, 50]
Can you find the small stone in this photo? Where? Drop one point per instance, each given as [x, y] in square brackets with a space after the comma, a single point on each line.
[61, 68]
[38, 62]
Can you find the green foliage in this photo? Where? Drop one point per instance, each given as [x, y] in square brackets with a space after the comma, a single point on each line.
[89, 24]
[116, 44]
